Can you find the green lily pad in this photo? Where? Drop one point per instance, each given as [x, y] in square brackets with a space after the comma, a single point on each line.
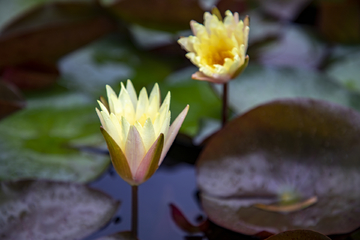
[299, 235]
[52, 210]
[110, 61]
[283, 154]
[259, 84]
[40, 141]
[198, 94]
[345, 70]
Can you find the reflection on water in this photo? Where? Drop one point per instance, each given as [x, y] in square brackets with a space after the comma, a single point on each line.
[174, 184]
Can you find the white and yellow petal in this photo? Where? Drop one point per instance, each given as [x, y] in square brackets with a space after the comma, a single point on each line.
[217, 46]
[137, 131]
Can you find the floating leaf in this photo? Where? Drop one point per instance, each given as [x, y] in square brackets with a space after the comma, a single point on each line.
[284, 9]
[31, 76]
[298, 235]
[339, 21]
[40, 141]
[345, 70]
[164, 15]
[10, 99]
[52, 210]
[48, 32]
[110, 61]
[260, 84]
[181, 221]
[296, 47]
[284, 152]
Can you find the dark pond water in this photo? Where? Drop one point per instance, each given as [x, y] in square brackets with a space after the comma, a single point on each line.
[174, 182]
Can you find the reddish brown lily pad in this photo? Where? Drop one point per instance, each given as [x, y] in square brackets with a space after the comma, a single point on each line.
[299, 235]
[294, 149]
[52, 210]
[171, 15]
[31, 76]
[50, 31]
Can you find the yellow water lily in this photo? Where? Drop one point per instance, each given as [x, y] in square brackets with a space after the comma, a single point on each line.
[137, 130]
[218, 47]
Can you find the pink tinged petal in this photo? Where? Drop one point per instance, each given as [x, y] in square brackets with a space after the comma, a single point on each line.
[132, 93]
[150, 162]
[134, 149]
[118, 158]
[142, 104]
[173, 131]
[202, 77]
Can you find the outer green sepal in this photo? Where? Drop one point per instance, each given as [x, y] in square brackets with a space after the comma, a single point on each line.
[242, 68]
[150, 162]
[118, 158]
[155, 156]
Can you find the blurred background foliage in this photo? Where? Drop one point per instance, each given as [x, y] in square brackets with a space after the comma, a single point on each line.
[56, 57]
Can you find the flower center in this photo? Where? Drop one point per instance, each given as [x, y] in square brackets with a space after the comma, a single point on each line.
[216, 53]
[219, 57]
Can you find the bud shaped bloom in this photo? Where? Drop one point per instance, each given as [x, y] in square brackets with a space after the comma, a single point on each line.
[137, 131]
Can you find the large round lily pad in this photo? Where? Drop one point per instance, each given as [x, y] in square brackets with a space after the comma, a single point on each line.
[52, 210]
[42, 141]
[285, 165]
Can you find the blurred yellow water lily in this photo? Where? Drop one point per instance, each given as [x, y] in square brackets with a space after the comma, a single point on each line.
[218, 47]
[137, 130]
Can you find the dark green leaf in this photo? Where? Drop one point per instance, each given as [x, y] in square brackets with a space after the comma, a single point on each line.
[258, 84]
[40, 141]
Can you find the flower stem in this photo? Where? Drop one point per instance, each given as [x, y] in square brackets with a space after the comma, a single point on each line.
[134, 210]
[224, 104]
